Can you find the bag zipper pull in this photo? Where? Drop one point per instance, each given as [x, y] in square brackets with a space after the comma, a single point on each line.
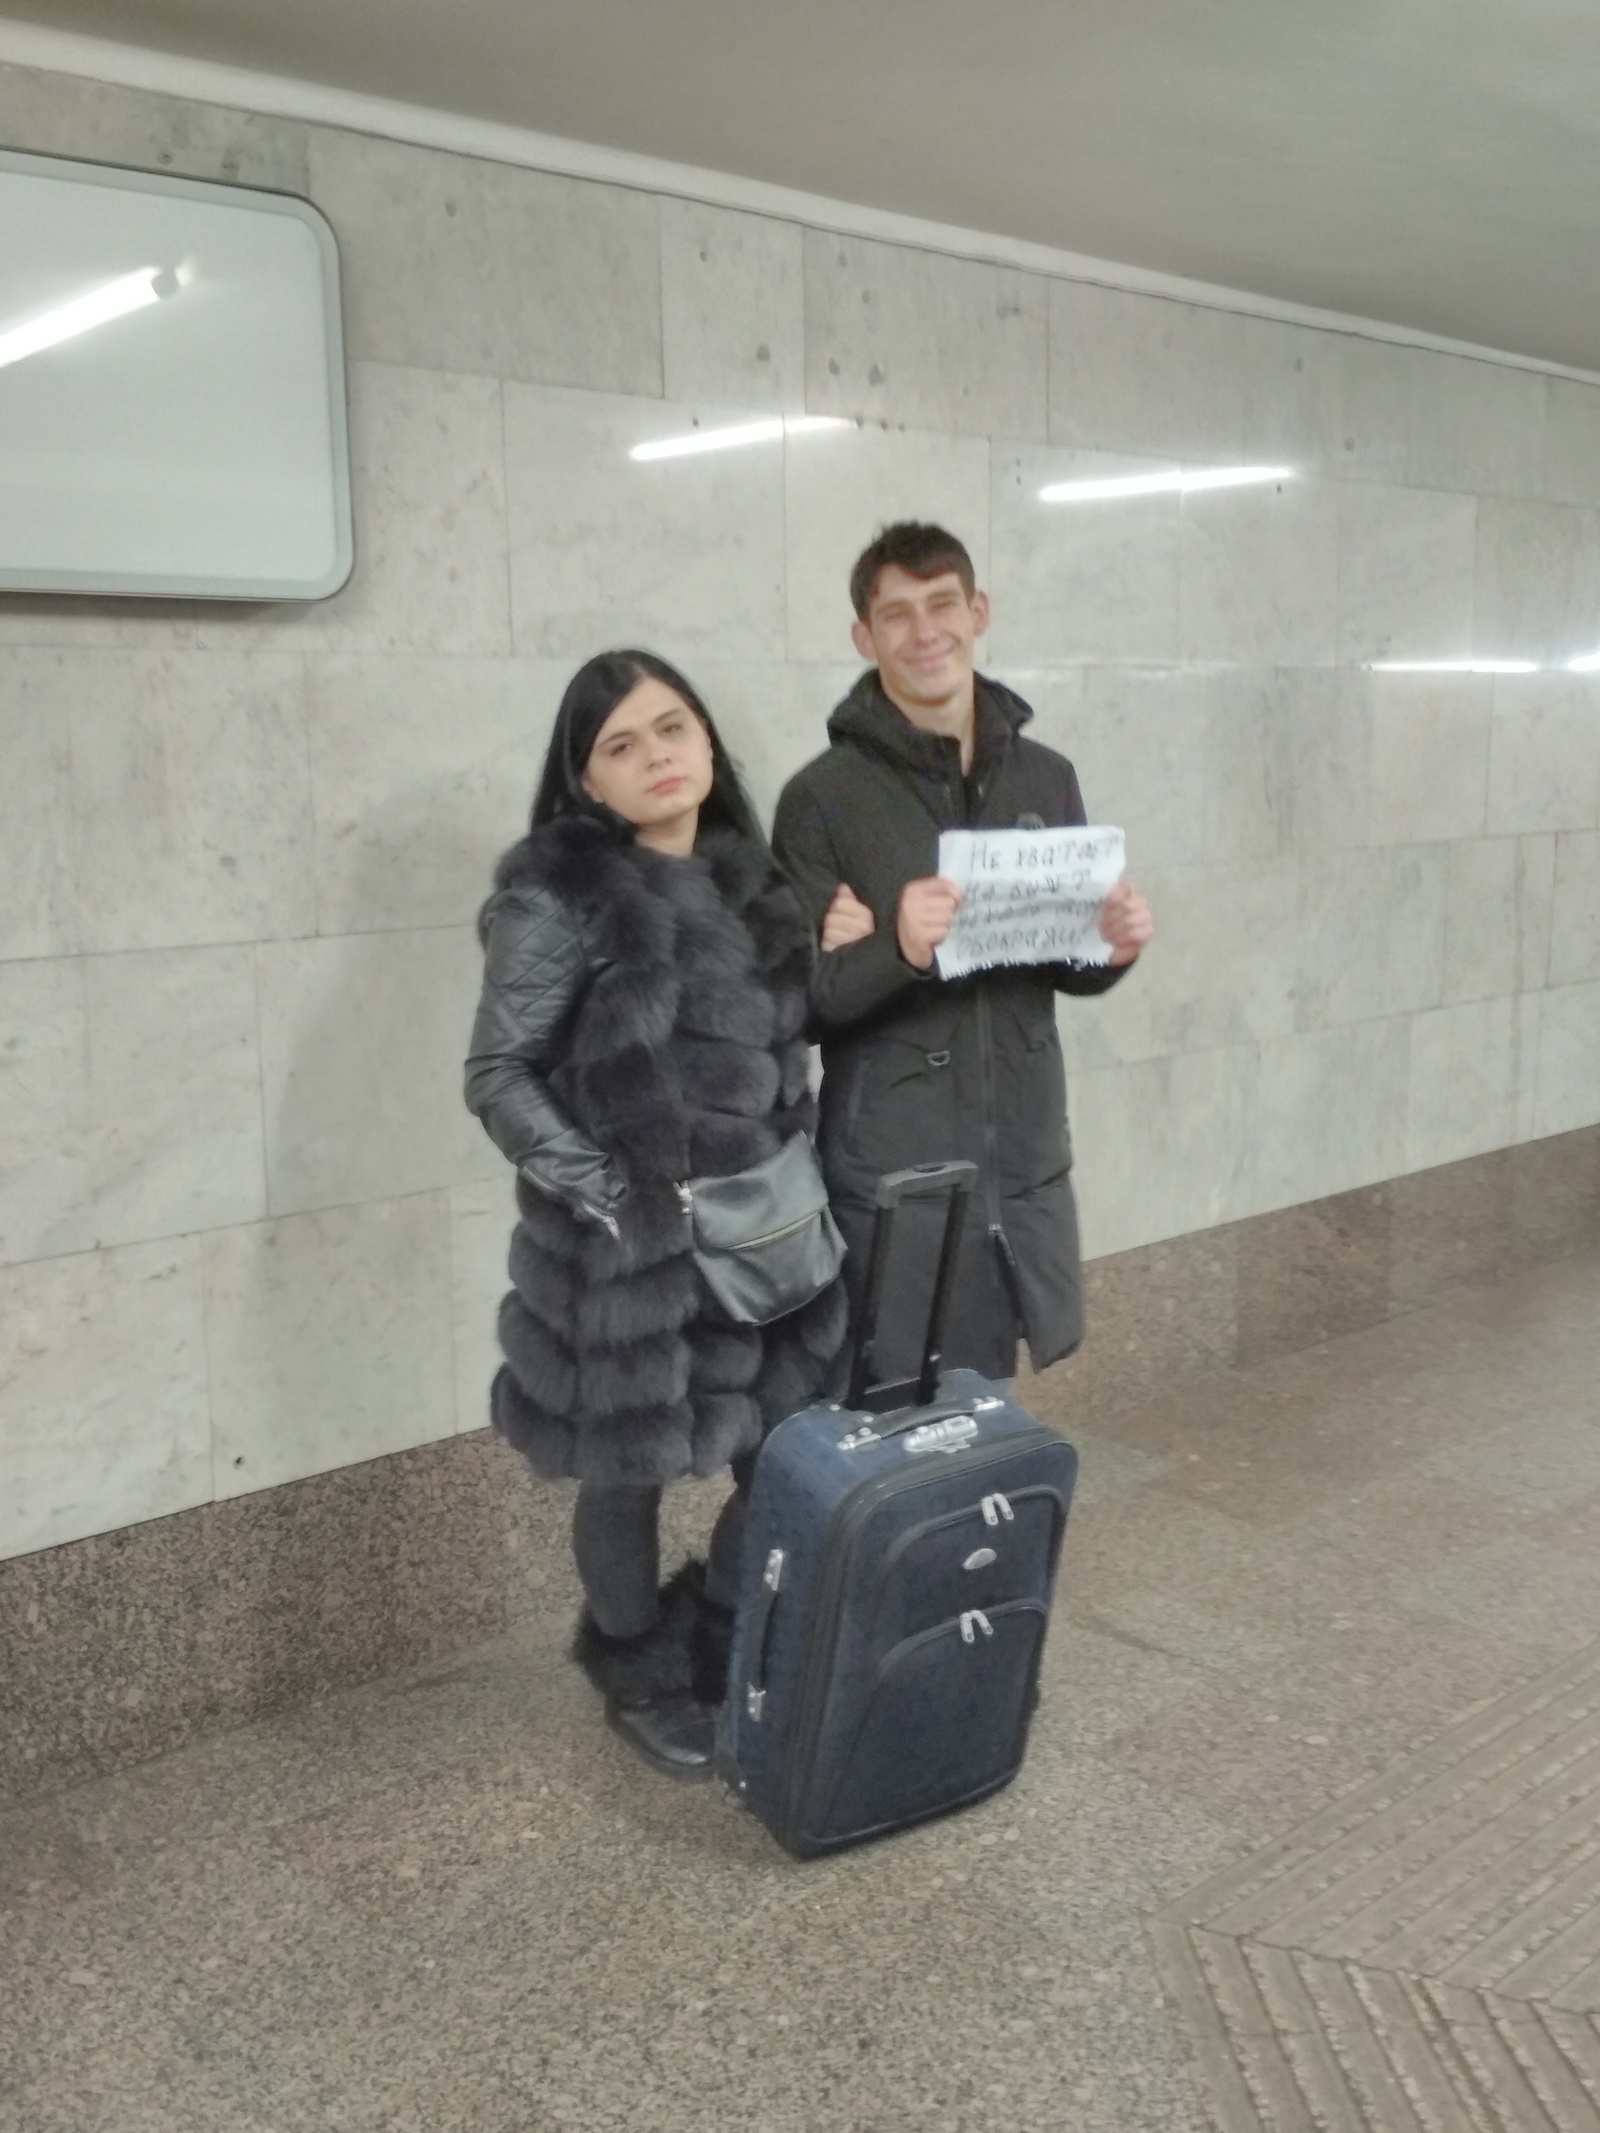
[971, 1622]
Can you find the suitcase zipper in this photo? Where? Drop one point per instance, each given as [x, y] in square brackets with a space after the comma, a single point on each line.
[814, 1675]
[969, 1625]
[909, 1539]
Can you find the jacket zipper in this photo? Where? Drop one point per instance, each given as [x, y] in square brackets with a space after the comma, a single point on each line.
[991, 1130]
[998, 1242]
[830, 1591]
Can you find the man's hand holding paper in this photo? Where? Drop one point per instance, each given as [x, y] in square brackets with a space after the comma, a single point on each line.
[927, 912]
[1024, 897]
[1126, 923]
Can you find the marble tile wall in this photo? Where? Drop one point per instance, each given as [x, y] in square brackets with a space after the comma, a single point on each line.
[247, 1232]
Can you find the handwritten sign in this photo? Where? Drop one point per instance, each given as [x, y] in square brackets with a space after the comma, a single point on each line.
[1030, 896]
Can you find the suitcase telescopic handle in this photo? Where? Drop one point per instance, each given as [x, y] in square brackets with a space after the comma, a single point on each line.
[925, 1181]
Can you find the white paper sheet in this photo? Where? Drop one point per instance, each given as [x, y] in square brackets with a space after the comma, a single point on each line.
[1030, 896]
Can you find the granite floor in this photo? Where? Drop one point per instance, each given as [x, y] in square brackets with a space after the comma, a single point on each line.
[1304, 1611]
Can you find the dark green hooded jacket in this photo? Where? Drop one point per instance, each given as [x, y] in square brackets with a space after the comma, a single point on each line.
[919, 1069]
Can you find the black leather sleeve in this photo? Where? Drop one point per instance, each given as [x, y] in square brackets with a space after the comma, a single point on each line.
[536, 969]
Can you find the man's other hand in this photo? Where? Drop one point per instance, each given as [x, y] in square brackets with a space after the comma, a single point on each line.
[1126, 923]
[846, 919]
[927, 912]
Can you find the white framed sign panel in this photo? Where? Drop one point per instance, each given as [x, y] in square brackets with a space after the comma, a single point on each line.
[172, 389]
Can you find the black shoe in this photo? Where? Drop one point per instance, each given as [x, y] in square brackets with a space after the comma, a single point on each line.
[674, 1734]
[649, 1682]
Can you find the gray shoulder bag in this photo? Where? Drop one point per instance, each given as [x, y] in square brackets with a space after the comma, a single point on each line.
[764, 1239]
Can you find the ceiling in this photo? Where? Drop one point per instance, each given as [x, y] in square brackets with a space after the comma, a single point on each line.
[1435, 163]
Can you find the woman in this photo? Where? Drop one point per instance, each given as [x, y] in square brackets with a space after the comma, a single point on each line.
[642, 1022]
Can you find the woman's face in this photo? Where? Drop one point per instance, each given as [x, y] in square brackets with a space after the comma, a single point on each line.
[651, 761]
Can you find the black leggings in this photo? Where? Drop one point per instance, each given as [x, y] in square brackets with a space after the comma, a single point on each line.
[616, 1537]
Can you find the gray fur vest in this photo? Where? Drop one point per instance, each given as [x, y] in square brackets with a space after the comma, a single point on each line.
[686, 1056]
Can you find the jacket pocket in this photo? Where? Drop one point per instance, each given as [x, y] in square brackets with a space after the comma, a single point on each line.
[1031, 1093]
[903, 1108]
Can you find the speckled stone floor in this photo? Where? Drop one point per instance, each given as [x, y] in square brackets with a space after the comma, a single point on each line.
[1317, 1695]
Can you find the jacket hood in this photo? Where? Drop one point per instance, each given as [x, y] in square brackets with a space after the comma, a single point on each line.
[867, 717]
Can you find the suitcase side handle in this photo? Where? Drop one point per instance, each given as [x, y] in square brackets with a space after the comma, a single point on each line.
[925, 1181]
[753, 1694]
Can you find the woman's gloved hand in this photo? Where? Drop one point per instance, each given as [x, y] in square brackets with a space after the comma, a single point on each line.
[580, 1178]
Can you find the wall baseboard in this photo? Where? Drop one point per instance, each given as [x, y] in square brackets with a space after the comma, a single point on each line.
[124, 1646]
[1275, 1284]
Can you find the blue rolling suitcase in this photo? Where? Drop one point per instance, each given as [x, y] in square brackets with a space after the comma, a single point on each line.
[900, 1559]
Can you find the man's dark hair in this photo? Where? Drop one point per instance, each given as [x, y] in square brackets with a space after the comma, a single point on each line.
[920, 551]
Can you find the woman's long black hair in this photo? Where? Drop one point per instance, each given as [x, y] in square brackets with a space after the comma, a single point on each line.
[593, 693]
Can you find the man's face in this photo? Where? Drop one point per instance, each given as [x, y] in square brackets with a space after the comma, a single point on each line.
[921, 633]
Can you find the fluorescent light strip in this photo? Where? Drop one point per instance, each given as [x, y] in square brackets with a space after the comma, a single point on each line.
[1589, 663]
[1457, 666]
[767, 432]
[113, 299]
[1179, 482]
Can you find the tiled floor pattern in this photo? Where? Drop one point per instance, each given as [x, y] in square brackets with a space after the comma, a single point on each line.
[450, 1902]
[1422, 1957]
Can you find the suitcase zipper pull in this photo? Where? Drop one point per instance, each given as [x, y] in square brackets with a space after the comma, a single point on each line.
[1003, 1505]
[991, 1517]
[971, 1622]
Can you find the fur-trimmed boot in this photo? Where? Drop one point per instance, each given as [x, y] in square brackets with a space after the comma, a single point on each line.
[648, 1682]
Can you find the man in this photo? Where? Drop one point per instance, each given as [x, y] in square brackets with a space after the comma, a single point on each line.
[918, 1069]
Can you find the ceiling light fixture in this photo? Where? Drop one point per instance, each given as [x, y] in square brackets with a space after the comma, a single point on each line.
[1456, 666]
[1589, 663]
[1179, 482]
[113, 299]
[767, 432]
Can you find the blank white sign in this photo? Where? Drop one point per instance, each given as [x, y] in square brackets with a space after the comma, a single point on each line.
[172, 411]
